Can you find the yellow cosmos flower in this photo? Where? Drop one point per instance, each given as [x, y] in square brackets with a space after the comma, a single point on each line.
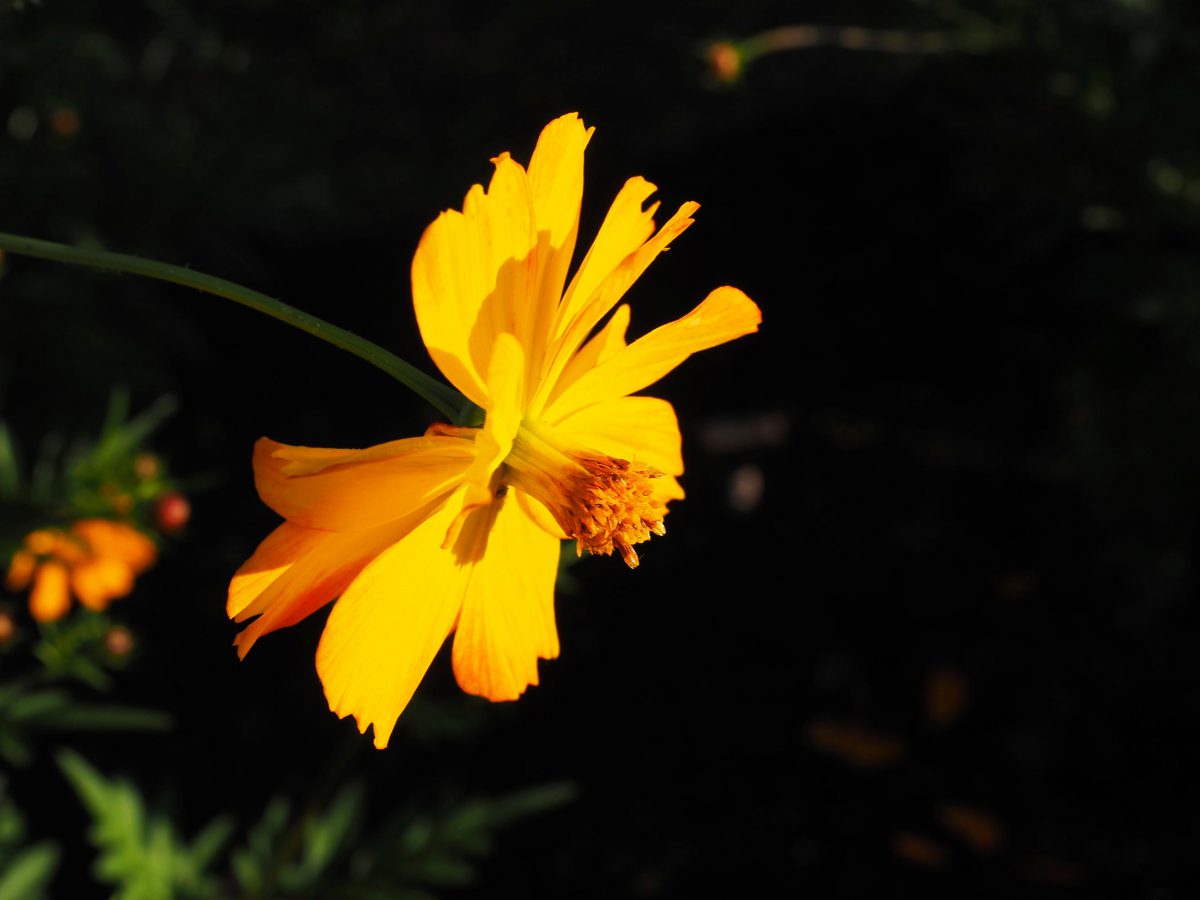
[95, 559]
[459, 530]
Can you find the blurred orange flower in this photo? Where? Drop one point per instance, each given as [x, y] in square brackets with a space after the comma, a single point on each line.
[95, 559]
[459, 530]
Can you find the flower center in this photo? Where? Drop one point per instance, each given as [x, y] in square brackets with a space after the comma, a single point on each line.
[602, 502]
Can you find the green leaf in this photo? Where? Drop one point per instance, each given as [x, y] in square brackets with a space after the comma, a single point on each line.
[327, 836]
[15, 749]
[533, 801]
[118, 410]
[209, 842]
[26, 876]
[145, 423]
[108, 718]
[139, 853]
[10, 471]
[444, 869]
[35, 706]
[441, 849]
[252, 862]
[45, 470]
[15, 688]
[119, 437]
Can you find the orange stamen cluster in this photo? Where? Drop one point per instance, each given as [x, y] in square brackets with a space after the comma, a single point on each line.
[612, 506]
[603, 503]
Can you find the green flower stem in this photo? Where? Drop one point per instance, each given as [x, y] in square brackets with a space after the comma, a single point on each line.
[444, 398]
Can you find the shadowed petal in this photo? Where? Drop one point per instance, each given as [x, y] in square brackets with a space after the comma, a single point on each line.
[506, 389]
[639, 429]
[274, 556]
[603, 298]
[507, 619]
[326, 568]
[541, 516]
[625, 228]
[608, 340]
[474, 275]
[338, 490]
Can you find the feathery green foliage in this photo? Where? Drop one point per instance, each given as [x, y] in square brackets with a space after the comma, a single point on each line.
[140, 852]
[25, 870]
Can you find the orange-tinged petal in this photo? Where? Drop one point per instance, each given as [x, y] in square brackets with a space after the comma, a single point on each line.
[639, 429]
[507, 619]
[20, 571]
[118, 541]
[339, 490]
[51, 597]
[274, 556]
[319, 574]
[101, 580]
[388, 626]
[723, 315]
[605, 296]
[44, 541]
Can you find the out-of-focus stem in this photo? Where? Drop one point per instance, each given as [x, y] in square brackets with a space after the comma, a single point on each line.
[444, 398]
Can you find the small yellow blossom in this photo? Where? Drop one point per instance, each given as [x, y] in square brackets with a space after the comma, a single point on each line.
[458, 530]
[95, 559]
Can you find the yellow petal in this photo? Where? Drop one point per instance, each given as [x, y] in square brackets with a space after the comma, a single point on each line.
[447, 294]
[556, 180]
[337, 490]
[101, 580]
[50, 598]
[330, 562]
[388, 626]
[609, 340]
[723, 315]
[507, 619]
[474, 276]
[541, 516]
[605, 296]
[506, 390]
[507, 243]
[639, 429]
[666, 489]
[556, 187]
[274, 556]
[625, 228]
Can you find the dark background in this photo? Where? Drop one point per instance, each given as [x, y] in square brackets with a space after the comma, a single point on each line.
[973, 407]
